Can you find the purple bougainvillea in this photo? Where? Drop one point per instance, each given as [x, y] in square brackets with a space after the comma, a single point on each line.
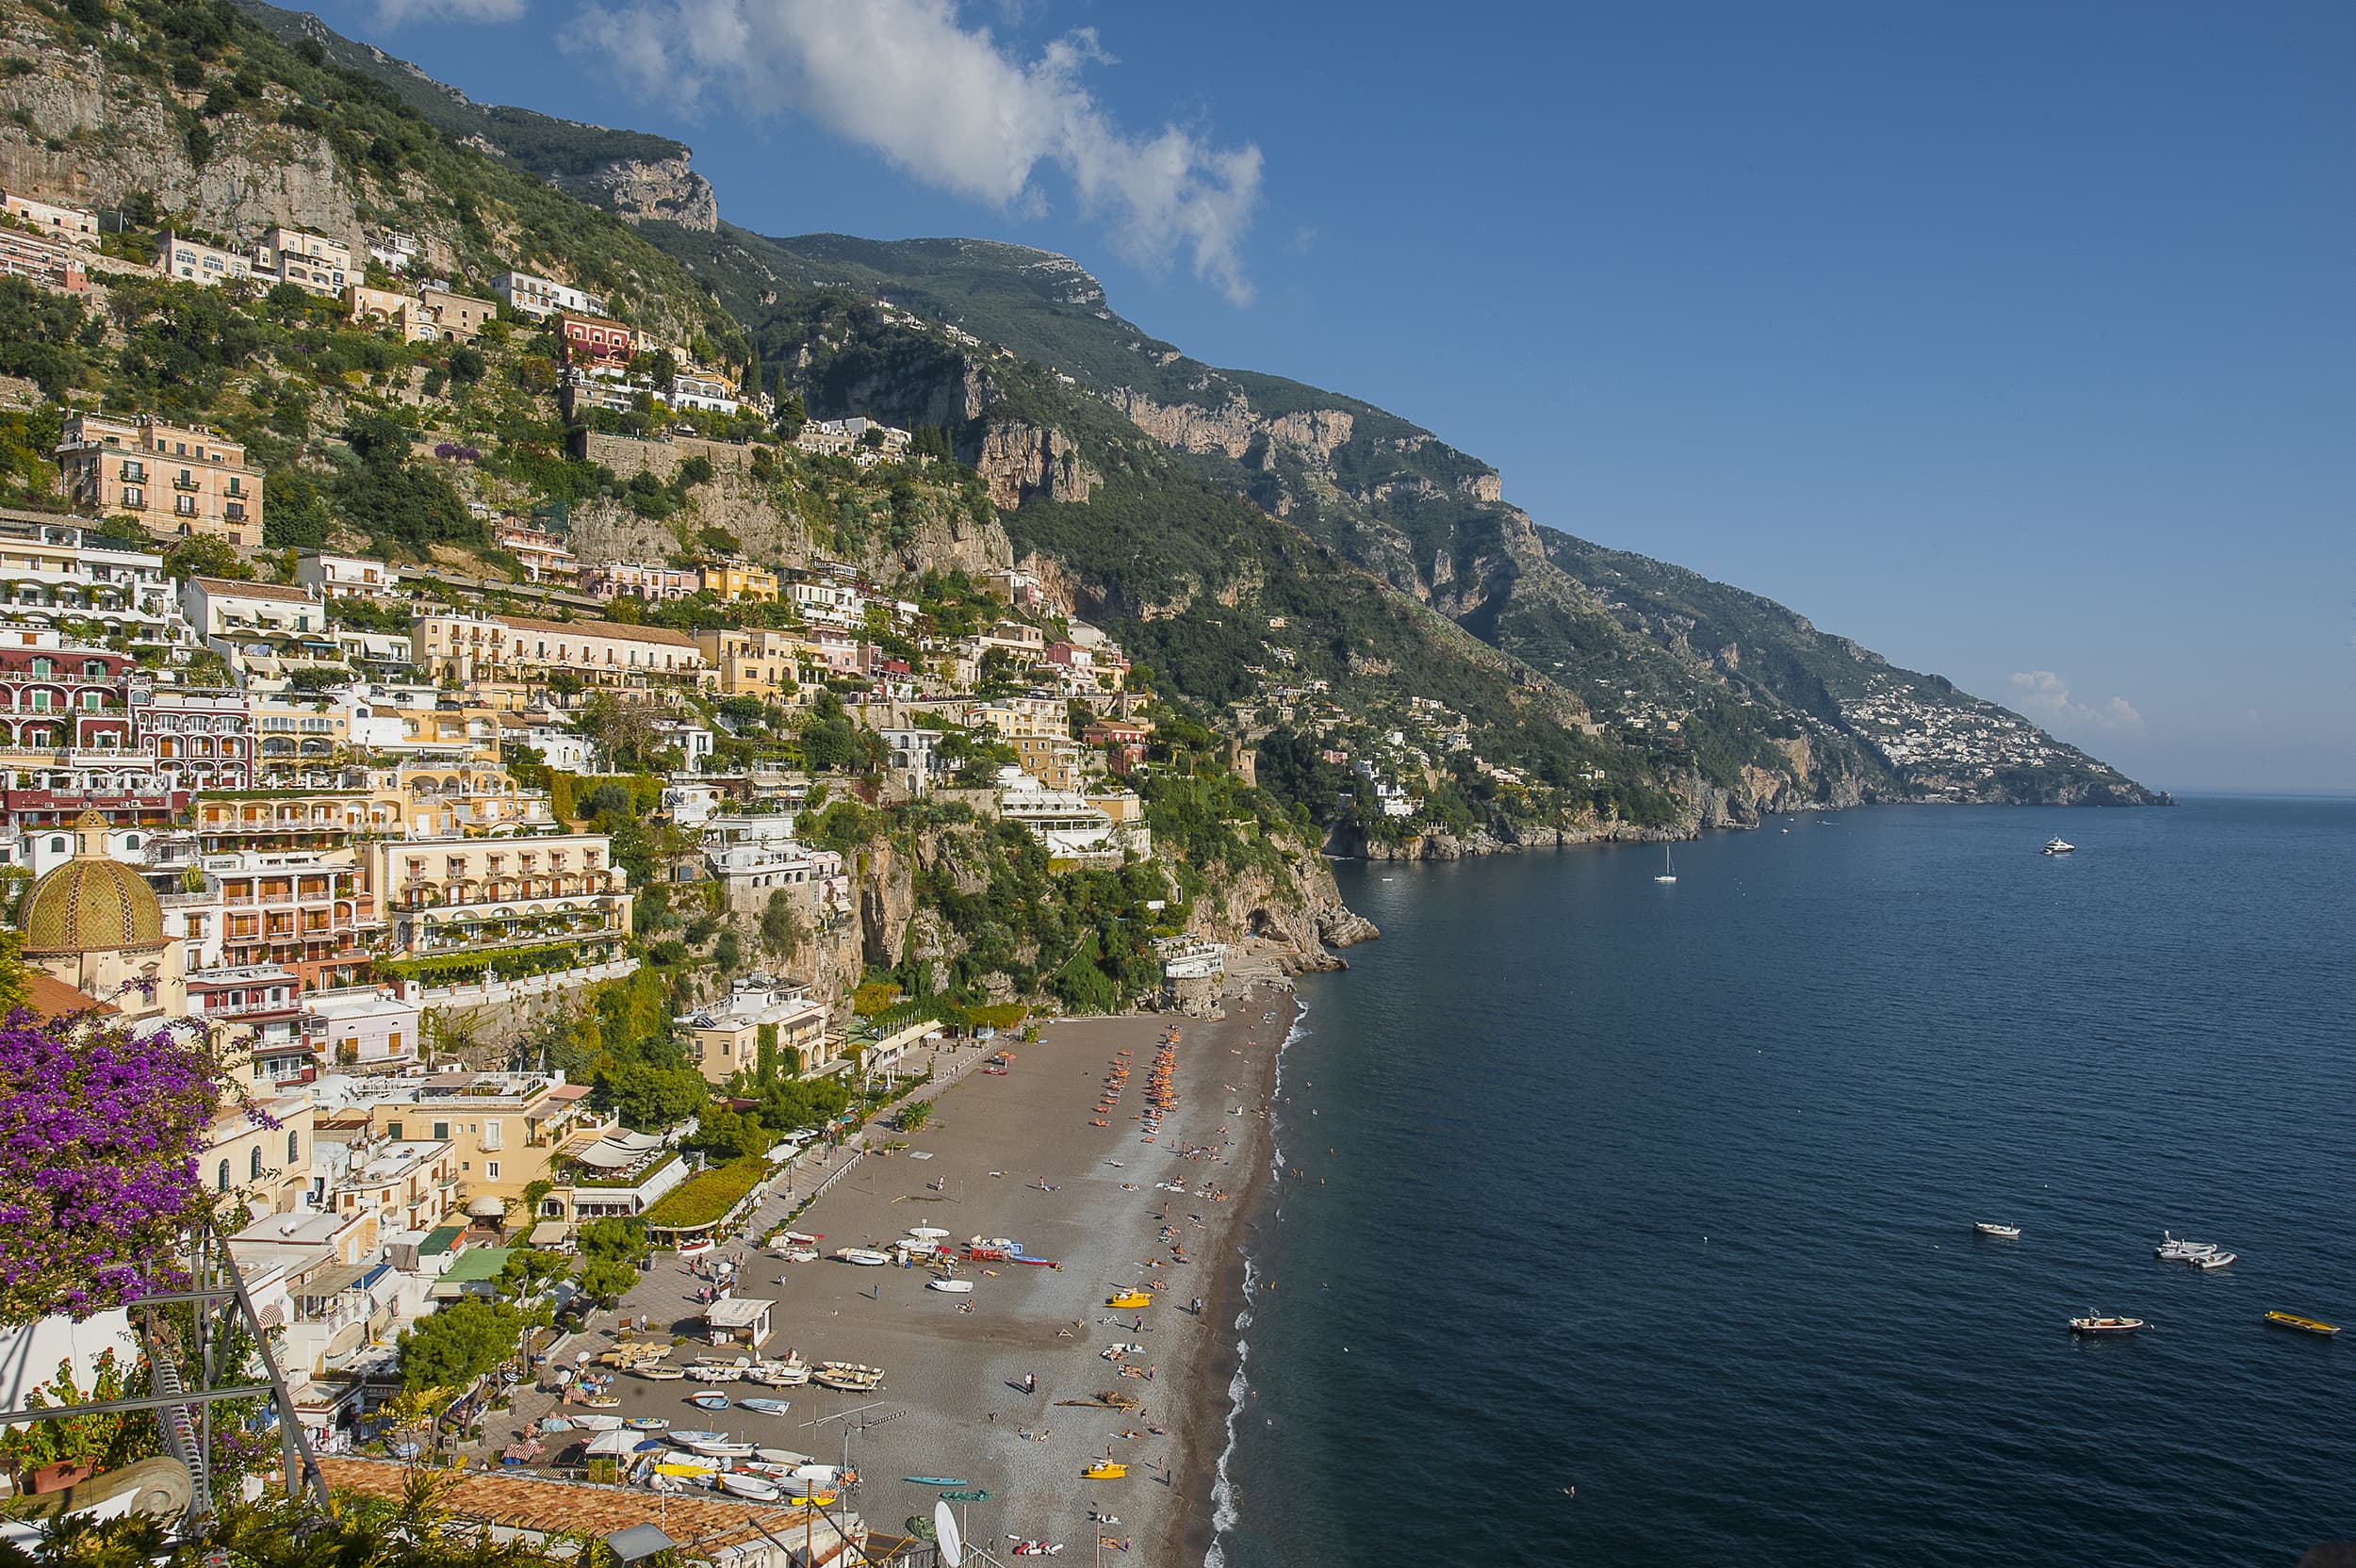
[100, 1130]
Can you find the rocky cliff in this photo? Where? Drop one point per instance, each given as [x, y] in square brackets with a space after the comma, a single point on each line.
[638, 188]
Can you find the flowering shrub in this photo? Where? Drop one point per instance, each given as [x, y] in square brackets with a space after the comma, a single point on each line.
[99, 1134]
[451, 451]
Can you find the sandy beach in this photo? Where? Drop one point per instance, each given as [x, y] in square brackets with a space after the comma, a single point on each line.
[1020, 1156]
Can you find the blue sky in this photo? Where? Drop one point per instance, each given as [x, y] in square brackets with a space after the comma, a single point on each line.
[2012, 340]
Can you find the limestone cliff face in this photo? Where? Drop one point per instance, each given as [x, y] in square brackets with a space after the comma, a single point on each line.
[1294, 917]
[116, 138]
[1234, 428]
[763, 516]
[636, 189]
[1019, 462]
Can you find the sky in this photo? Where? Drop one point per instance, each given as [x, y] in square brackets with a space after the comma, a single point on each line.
[2012, 340]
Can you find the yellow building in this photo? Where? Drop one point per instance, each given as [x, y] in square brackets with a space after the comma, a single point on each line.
[757, 663]
[94, 924]
[734, 580]
[178, 479]
[505, 1129]
[469, 648]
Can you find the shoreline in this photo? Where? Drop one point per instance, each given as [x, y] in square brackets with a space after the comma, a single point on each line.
[1026, 1156]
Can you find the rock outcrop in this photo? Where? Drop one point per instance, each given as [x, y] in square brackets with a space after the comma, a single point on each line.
[1019, 462]
[636, 189]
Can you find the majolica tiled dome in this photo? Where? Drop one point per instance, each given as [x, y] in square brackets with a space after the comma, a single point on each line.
[92, 904]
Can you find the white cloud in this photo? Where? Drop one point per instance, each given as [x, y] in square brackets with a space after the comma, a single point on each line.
[2045, 696]
[946, 103]
[394, 14]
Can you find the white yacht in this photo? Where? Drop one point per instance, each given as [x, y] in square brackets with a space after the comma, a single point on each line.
[2057, 845]
[1668, 870]
[2174, 1249]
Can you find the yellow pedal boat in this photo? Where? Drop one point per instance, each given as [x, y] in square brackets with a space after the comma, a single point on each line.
[1129, 1299]
[2304, 1324]
[1106, 1470]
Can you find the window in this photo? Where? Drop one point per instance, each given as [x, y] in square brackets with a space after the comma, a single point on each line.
[441, 1131]
[254, 1165]
[220, 1178]
[491, 1169]
[392, 1131]
[294, 1148]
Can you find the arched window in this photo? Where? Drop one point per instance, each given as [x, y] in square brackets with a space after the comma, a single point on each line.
[221, 1179]
[294, 1148]
[254, 1165]
[56, 846]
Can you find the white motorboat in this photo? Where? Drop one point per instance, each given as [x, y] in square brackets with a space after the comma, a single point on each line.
[2212, 1260]
[2173, 1249]
[762, 1406]
[784, 1460]
[1668, 870]
[714, 1447]
[595, 1422]
[952, 1288]
[866, 1257]
[798, 1254]
[2057, 845]
[1990, 1228]
[755, 1487]
[658, 1374]
[715, 1372]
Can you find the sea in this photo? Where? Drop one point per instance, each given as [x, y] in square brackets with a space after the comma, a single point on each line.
[1626, 1223]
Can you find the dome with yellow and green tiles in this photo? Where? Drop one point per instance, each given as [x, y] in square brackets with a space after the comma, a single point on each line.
[92, 904]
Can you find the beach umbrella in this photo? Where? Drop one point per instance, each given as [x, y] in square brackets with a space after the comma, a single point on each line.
[612, 1444]
[927, 1232]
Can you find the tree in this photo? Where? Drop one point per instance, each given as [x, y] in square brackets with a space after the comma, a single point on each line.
[724, 1136]
[199, 555]
[451, 1347]
[393, 499]
[608, 1280]
[727, 952]
[782, 929]
[653, 1098]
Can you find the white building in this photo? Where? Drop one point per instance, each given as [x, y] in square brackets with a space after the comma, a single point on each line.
[330, 576]
[1067, 822]
[703, 394]
[52, 220]
[537, 296]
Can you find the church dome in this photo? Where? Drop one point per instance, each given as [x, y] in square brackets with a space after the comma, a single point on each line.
[92, 904]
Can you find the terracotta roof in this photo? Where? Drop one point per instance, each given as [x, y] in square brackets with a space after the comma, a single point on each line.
[50, 997]
[602, 629]
[573, 1508]
[218, 585]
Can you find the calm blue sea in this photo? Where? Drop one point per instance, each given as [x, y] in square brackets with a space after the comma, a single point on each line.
[1665, 1193]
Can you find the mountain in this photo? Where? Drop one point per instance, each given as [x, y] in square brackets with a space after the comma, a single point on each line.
[631, 174]
[1409, 663]
[1754, 706]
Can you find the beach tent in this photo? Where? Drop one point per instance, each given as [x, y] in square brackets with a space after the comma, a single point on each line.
[619, 1444]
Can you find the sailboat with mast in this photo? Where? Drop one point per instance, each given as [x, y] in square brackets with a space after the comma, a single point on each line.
[1668, 868]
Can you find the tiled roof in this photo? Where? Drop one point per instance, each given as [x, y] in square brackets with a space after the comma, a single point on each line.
[699, 1524]
[602, 629]
[218, 587]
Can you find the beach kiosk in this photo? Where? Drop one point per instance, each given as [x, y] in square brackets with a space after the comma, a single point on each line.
[738, 1320]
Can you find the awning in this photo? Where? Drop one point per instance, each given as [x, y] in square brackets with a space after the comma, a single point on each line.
[487, 1207]
[550, 1233]
[606, 1158]
[640, 1141]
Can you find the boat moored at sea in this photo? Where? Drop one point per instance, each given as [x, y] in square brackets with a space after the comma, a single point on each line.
[2057, 845]
[1990, 1228]
[2092, 1325]
[2212, 1260]
[2175, 1249]
[2304, 1324]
